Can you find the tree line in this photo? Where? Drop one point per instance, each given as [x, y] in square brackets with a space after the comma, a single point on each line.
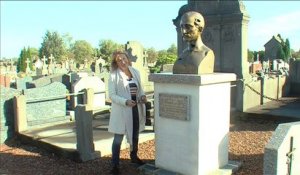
[62, 47]
[284, 52]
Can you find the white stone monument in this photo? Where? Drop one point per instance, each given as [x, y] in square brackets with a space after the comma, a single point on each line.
[27, 66]
[192, 114]
[45, 66]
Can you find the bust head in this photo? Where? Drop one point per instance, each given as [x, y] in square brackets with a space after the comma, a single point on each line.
[192, 24]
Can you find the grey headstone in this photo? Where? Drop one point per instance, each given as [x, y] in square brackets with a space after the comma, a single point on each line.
[275, 157]
[21, 82]
[43, 81]
[7, 113]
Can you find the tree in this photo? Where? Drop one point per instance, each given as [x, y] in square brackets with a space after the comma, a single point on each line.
[82, 50]
[53, 44]
[68, 40]
[172, 49]
[21, 67]
[21, 64]
[250, 56]
[280, 53]
[107, 47]
[261, 55]
[152, 55]
[286, 49]
[295, 54]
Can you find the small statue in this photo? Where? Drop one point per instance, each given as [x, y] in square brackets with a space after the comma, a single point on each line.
[197, 58]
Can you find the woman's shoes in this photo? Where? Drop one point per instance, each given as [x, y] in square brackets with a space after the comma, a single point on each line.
[114, 170]
[137, 161]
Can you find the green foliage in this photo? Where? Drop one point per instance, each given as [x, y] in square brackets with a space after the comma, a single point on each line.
[107, 47]
[152, 55]
[53, 44]
[280, 53]
[261, 55]
[295, 54]
[21, 64]
[168, 56]
[286, 49]
[82, 50]
[68, 41]
[250, 56]
[172, 49]
[155, 69]
[21, 67]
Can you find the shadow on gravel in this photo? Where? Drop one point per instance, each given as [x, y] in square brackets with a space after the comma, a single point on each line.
[251, 164]
[17, 158]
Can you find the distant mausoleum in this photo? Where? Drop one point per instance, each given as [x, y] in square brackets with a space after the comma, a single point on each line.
[272, 47]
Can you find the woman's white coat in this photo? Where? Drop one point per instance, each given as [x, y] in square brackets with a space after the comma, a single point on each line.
[120, 121]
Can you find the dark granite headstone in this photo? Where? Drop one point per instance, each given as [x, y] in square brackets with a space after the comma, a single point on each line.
[46, 104]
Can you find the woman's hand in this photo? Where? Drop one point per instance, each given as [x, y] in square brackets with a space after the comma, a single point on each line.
[130, 103]
[143, 99]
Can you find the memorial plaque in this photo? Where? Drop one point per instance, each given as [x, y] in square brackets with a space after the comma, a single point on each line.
[174, 106]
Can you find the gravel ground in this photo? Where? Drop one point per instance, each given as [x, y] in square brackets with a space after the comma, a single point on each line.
[248, 138]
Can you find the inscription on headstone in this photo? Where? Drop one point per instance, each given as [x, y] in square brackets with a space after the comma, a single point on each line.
[174, 106]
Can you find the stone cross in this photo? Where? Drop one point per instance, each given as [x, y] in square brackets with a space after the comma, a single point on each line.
[11, 65]
[44, 60]
[290, 156]
[145, 58]
[27, 65]
[85, 63]
[51, 58]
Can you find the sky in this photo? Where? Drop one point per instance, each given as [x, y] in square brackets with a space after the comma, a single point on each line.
[24, 23]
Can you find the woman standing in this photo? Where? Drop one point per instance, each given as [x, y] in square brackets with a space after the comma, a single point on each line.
[128, 112]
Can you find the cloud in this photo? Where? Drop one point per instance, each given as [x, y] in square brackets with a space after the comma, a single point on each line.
[287, 25]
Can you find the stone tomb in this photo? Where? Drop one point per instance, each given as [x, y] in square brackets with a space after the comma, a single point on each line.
[282, 153]
[89, 82]
[192, 122]
[45, 104]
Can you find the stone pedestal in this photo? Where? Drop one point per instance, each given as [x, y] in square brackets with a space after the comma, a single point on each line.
[192, 114]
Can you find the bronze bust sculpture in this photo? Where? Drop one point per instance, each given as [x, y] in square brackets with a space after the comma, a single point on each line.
[197, 58]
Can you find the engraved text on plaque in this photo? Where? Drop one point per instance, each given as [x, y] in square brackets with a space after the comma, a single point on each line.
[174, 106]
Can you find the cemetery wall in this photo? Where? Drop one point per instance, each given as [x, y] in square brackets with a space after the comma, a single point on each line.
[273, 87]
[295, 76]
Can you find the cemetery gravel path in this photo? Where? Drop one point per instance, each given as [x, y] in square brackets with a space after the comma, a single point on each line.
[248, 138]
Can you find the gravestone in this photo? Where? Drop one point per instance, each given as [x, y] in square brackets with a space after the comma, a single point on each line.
[40, 82]
[3, 68]
[282, 153]
[21, 83]
[5, 80]
[46, 104]
[99, 65]
[38, 67]
[7, 113]
[226, 34]
[138, 57]
[27, 66]
[51, 65]
[45, 66]
[88, 82]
